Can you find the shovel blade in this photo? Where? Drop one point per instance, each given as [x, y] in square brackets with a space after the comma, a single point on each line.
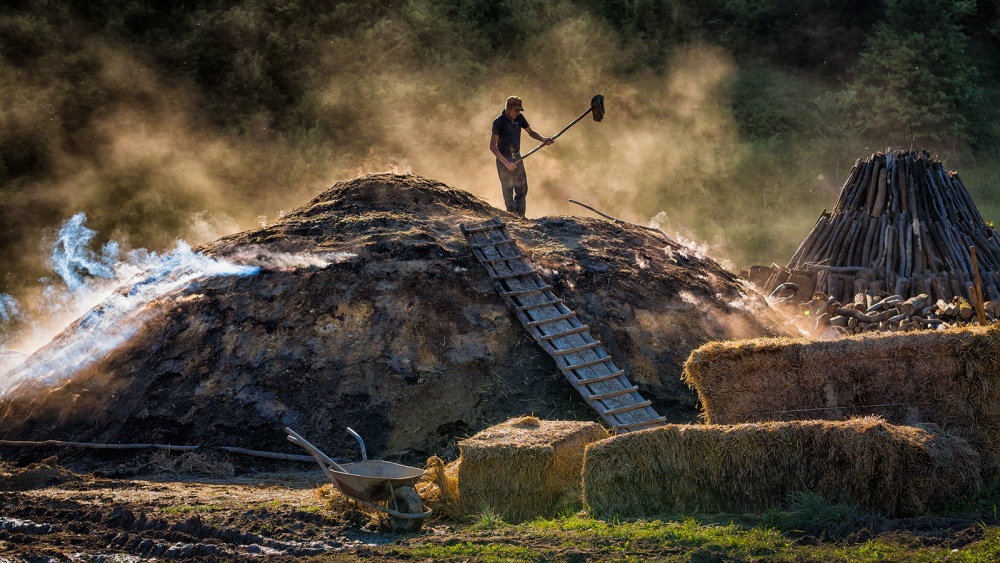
[597, 107]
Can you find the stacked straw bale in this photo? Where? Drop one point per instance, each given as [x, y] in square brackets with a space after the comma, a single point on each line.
[895, 470]
[950, 378]
[525, 467]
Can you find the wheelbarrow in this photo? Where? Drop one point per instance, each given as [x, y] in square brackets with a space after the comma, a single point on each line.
[385, 486]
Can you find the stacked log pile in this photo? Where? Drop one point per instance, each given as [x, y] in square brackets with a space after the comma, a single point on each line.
[903, 228]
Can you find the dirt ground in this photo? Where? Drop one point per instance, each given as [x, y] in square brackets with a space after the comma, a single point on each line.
[52, 513]
[124, 513]
[146, 511]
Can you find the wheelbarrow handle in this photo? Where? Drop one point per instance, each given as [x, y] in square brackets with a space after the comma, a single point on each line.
[364, 454]
[294, 438]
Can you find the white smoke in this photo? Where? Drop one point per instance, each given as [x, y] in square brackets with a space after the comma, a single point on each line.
[284, 261]
[72, 257]
[101, 297]
[8, 308]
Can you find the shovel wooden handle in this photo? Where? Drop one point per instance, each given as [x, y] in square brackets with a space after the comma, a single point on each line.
[553, 137]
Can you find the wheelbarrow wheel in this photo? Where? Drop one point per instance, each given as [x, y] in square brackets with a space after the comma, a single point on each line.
[408, 501]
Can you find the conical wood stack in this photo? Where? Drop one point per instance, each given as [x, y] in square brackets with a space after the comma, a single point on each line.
[902, 225]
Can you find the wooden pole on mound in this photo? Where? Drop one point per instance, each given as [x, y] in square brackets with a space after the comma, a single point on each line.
[980, 307]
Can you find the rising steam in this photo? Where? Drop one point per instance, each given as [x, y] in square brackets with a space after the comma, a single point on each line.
[99, 301]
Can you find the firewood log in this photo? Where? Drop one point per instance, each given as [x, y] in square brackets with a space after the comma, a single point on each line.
[846, 191]
[810, 240]
[965, 311]
[992, 308]
[901, 187]
[905, 247]
[878, 207]
[873, 184]
[848, 242]
[867, 318]
[837, 240]
[860, 289]
[914, 200]
[940, 288]
[902, 286]
[914, 304]
[893, 199]
[919, 258]
[861, 188]
[866, 250]
[956, 286]
[857, 242]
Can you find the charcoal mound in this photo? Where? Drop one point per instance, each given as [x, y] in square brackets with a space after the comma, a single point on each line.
[370, 311]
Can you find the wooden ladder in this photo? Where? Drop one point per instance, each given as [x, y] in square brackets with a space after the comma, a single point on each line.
[555, 328]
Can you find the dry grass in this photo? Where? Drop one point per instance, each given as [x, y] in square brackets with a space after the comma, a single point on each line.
[525, 467]
[190, 463]
[949, 378]
[439, 488]
[896, 470]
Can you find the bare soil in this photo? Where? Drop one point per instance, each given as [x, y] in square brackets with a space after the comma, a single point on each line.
[132, 512]
[51, 512]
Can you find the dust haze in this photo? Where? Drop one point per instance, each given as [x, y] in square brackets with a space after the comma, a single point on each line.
[149, 169]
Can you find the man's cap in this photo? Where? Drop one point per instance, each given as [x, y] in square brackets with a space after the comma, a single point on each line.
[515, 102]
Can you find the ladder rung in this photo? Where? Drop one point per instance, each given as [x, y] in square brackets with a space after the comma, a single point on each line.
[482, 228]
[611, 394]
[590, 363]
[586, 346]
[640, 424]
[501, 259]
[504, 277]
[533, 290]
[538, 305]
[597, 379]
[569, 332]
[568, 315]
[475, 246]
[627, 408]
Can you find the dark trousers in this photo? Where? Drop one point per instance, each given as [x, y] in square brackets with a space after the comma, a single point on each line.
[515, 187]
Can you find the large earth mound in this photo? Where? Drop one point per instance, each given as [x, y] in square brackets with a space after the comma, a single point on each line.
[402, 336]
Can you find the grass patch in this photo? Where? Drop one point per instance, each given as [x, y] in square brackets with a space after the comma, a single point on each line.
[487, 552]
[808, 513]
[489, 519]
[708, 538]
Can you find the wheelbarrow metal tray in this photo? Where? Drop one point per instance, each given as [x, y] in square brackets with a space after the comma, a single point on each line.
[370, 480]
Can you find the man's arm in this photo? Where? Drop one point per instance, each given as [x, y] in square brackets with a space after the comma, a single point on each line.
[539, 138]
[496, 151]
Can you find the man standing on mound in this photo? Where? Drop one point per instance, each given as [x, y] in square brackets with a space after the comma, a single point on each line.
[505, 144]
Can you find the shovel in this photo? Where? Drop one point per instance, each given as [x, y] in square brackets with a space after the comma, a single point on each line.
[596, 108]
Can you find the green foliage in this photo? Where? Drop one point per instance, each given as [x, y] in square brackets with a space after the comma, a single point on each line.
[915, 77]
[489, 519]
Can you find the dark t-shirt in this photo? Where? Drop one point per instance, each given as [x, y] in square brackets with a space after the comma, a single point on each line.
[509, 133]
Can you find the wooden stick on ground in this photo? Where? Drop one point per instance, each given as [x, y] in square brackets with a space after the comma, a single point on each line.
[97, 446]
[616, 220]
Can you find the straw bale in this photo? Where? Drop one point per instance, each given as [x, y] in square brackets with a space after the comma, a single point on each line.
[950, 378]
[524, 467]
[896, 470]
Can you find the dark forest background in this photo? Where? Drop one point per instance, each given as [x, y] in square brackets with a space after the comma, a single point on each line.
[730, 123]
